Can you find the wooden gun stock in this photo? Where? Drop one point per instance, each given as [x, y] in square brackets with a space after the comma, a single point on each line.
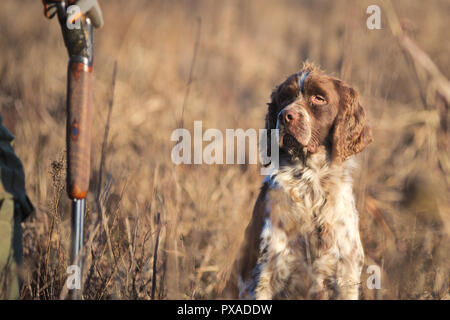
[79, 104]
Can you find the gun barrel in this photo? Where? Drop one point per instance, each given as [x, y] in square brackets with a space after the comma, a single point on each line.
[77, 240]
[78, 227]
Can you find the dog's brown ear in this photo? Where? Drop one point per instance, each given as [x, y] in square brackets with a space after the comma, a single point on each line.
[351, 132]
[271, 120]
[280, 96]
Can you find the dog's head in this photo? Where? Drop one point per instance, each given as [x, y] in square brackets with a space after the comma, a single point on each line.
[311, 110]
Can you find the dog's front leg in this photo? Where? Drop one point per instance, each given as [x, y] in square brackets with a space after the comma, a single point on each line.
[273, 277]
[263, 289]
[274, 265]
[349, 271]
[348, 281]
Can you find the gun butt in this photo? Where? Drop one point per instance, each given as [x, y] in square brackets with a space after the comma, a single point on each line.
[79, 104]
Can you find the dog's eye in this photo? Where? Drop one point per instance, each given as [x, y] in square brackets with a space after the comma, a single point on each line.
[318, 99]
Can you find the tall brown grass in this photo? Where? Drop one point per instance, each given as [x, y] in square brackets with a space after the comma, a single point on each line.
[243, 49]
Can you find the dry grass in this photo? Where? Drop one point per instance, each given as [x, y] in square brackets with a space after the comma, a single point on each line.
[244, 48]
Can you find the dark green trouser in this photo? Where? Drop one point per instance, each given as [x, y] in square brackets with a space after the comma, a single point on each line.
[10, 248]
[14, 208]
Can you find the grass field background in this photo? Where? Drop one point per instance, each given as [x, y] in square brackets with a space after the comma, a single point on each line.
[220, 60]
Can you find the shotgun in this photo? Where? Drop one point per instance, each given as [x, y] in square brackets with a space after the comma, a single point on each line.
[77, 19]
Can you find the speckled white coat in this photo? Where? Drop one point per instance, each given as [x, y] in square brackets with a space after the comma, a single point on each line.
[310, 245]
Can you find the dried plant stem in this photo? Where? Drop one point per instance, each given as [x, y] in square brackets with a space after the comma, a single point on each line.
[191, 72]
[102, 162]
[442, 85]
[155, 254]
